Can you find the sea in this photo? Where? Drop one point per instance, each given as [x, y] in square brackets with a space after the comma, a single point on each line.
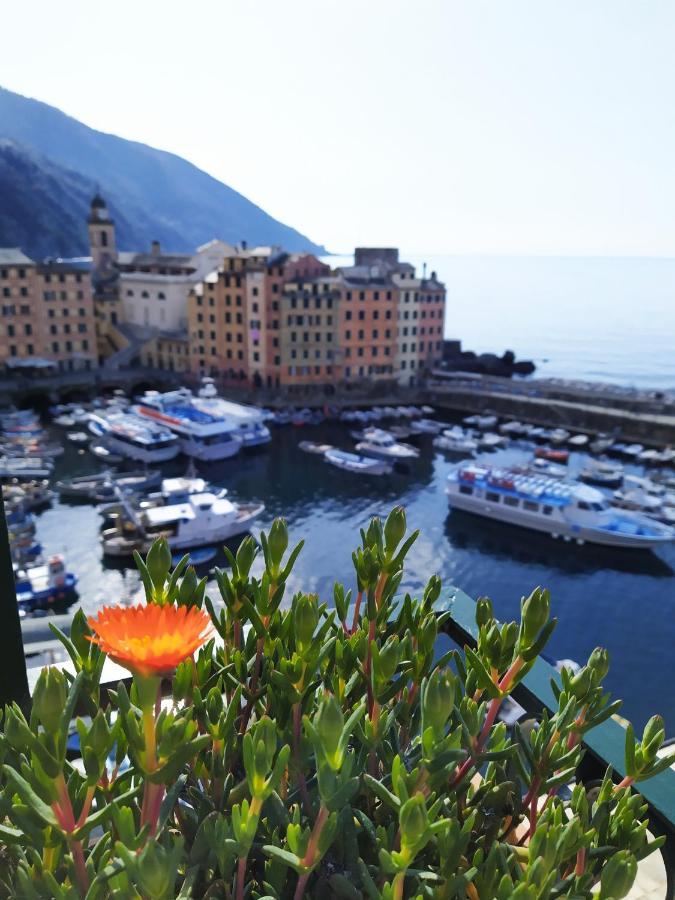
[612, 320]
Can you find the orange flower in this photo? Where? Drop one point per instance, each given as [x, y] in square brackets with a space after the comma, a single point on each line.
[152, 639]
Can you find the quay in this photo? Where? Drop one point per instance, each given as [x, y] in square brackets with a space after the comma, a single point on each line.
[626, 413]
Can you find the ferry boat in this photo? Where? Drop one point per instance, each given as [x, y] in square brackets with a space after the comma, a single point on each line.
[135, 437]
[203, 520]
[567, 510]
[202, 435]
[250, 420]
[380, 444]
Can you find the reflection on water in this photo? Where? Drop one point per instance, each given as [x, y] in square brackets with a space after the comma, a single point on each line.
[623, 600]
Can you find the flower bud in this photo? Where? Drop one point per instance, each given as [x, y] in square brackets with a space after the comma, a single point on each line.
[535, 611]
[277, 542]
[653, 737]
[188, 587]
[413, 820]
[245, 556]
[394, 529]
[305, 619]
[618, 875]
[483, 611]
[265, 745]
[387, 659]
[156, 871]
[432, 591]
[329, 724]
[427, 633]
[439, 699]
[599, 662]
[49, 698]
[581, 682]
[158, 562]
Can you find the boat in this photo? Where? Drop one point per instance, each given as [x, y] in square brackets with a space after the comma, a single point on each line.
[31, 494]
[39, 586]
[485, 423]
[25, 467]
[400, 432]
[602, 474]
[654, 457]
[380, 444]
[361, 465]
[632, 451]
[543, 435]
[103, 486]
[202, 435]
[426, 426]
[135, 437]
[563, 509]
[553, 455]
[490, 440]
[78, 437]
[601, 444]
[550, 469]
[456, 441]
[578, 441]
[314, 447]
[198, 557]
[172, 491]
[100, 451]
[638, 499]
[559, 436]
[513, 429]
[203, 520]
[250, 420]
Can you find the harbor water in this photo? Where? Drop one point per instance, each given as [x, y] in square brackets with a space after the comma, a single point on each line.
[622, 600]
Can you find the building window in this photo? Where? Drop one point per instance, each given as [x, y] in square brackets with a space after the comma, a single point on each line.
[28, 329]
[161, 296]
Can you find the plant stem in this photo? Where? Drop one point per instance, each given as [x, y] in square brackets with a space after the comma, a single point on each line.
[357, 610]
[580, 867]
[626, 782]
[297, 735]
[397, 886]
[66, 819]
[311, 857]
[241, 877]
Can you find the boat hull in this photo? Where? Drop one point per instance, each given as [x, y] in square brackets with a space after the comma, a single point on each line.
[561, 529]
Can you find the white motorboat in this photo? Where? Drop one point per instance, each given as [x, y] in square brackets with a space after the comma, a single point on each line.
[134, 437]
[78, 437]
[456, 441]
[632, 451]
[202, 520]
[485, 423]
[578, 441]
[380, 444]
[513, 429]
[250, 420]
[25, 467]
[568, 510]
[559, 436]
[426, 426]
[360, 465]
[602, 474]
[202, 435]
[545, 467]
[314, 447]
[490, 440]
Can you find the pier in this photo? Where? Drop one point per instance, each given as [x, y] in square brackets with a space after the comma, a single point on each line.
[626, 413]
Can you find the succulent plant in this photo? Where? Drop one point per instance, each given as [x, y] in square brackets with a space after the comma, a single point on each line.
[312, 751]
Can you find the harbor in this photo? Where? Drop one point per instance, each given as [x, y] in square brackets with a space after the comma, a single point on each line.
[597, 591]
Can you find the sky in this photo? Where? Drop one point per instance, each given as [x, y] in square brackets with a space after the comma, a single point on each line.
[440, 126]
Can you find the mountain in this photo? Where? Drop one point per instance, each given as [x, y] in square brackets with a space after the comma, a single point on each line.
[51, 165]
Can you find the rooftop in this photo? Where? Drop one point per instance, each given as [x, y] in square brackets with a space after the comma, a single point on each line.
[14, 256]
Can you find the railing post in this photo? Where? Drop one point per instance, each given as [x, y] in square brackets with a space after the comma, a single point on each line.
[13, 677]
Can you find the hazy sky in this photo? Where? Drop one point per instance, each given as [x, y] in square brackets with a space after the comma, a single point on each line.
[543, 126]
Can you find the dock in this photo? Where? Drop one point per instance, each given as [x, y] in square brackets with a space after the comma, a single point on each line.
[628, 414]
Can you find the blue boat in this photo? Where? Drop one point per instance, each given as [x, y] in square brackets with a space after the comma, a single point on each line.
[198, 557]
[41, 586]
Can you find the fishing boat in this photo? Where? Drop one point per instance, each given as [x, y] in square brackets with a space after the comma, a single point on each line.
[202, 435]
[203, 520]
[40, 586]
[551, 454]
[602, 474]
[380, 444]
[563, 509]
[456, 442]
[135, 437]
[360, 465]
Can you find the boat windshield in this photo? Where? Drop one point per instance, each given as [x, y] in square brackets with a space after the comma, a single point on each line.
[598, 506]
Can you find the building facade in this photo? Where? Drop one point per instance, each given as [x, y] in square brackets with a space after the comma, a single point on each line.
[47, 312]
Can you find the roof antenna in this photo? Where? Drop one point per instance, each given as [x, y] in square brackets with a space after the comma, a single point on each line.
[424, 271]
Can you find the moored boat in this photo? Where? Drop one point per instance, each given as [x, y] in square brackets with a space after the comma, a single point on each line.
[39, 586]
[552, 454]
[602, 474]
[380, 444]
[135, 437]
[568, 510]
[360, 465]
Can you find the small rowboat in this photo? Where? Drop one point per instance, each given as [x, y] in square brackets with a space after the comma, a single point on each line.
[558, 456]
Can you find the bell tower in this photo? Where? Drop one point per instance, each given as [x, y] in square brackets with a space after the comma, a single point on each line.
[101, 230]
